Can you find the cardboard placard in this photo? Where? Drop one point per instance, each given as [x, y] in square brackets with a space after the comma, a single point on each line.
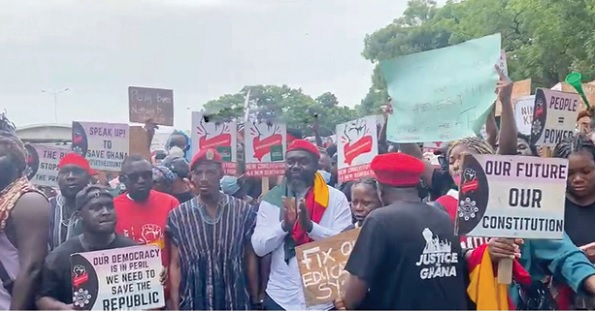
[357, 146]
[589, 90]
[554, 117]
[139, 142]
[512, 197]
[519, 88]
[150, 103]
[322, 266]
[118, 279]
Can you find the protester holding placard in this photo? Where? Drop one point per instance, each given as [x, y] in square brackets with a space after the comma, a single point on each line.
[301, 209]
[580, 198]
[213, 265]
[95, 209]
[24, 226]
[565, 261]
[74, 173]
[406, 253]
[439, 180]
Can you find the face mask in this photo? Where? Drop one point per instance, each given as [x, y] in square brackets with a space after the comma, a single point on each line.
[326, 175]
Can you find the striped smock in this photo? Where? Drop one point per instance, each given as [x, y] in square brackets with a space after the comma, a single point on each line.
[211, 250]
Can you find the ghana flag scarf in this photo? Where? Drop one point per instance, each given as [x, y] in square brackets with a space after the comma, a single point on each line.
[316, 200]
[484, 289]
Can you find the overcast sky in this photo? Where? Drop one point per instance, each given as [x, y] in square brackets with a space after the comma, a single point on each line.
[199, 48]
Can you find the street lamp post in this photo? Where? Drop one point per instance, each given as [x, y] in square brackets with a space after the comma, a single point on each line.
[55, 93]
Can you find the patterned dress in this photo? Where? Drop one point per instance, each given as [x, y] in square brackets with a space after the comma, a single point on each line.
[212, 253]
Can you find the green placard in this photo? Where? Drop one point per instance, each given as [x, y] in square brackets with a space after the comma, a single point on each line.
[276, 153]
[225, 153]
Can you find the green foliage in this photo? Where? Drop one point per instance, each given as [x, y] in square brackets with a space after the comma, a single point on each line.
[543, 39]
[285, 104]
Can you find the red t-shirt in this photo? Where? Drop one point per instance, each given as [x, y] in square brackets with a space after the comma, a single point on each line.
[450, 204]
[144, 222]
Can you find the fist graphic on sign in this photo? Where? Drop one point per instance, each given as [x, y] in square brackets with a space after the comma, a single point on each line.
[355, 130]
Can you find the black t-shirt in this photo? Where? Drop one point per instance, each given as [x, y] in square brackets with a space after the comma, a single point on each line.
[578, 223]
[441, 183]
[183, 197]
[409, 257]
[56, 279]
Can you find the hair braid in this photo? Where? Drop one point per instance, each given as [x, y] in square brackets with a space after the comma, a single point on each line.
[479, 145]
[570, 145]
[13, 145]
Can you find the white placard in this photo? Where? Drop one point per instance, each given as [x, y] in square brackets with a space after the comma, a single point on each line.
[264, 147]
[104, 145]
[357, 146]
[512, 197]
[523, 114]
[220, 136]
[554, 117]
[42, 164]
[118, 279]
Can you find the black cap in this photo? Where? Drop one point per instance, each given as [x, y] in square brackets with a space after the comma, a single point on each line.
[178, 165]
[88, 193]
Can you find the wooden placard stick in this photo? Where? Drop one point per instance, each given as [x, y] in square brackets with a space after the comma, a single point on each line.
[547, 152]
[264, 183]
[505, 271]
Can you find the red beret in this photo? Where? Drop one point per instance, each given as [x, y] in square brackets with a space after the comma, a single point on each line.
[76, 159]
[302, 144]
[397, 169]
[208, 154]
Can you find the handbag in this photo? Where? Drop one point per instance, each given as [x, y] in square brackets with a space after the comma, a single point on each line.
[536, 296]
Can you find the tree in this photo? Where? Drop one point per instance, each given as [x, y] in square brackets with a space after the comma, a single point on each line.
[327, 100]
[543, 39]
[282, 103]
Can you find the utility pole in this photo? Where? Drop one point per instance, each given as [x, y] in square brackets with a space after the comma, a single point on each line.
[55, 94]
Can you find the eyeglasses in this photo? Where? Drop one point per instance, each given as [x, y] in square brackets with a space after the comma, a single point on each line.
[148, 175]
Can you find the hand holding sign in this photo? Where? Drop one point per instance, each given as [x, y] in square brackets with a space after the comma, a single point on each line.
[589, 251]
[151, 126]
[504, 86]
[339, 304]
[500, 248]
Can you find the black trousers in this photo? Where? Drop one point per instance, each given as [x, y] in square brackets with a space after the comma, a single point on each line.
[270, 304]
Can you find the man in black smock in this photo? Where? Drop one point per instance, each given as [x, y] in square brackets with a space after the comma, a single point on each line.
[406, 256]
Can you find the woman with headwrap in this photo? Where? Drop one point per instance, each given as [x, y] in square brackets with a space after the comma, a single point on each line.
[24, 225]
[163, 178]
